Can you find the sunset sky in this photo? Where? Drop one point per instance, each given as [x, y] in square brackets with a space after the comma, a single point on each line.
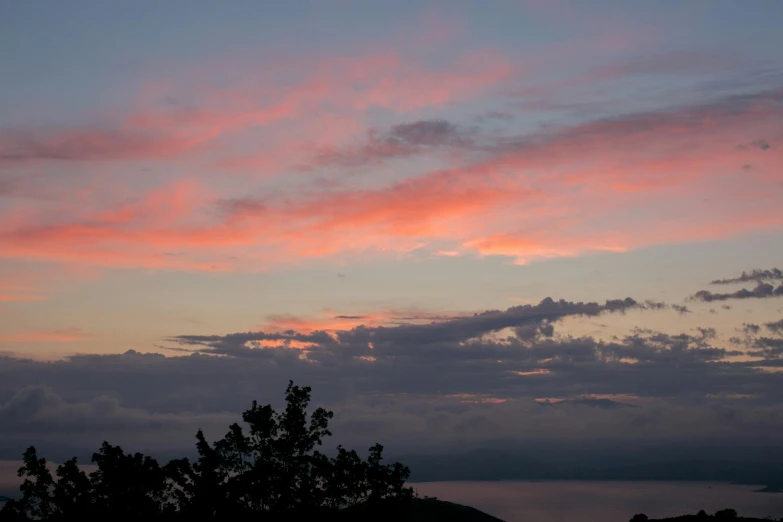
[388, 201]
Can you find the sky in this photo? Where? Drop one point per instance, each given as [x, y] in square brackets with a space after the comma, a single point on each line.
[439, 215]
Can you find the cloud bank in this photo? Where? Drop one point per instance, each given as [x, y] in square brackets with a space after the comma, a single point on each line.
[455, 382]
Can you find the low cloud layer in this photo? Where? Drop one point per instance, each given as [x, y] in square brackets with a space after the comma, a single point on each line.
[456, 382]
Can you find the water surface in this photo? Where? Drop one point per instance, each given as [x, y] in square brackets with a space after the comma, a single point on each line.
[602, 501]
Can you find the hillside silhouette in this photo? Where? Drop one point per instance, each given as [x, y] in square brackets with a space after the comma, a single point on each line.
[414, 510]
[719, 516]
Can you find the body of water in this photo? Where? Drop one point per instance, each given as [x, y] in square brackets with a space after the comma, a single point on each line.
[602, 501]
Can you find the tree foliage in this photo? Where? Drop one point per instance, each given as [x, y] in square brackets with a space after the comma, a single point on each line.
[271, 467]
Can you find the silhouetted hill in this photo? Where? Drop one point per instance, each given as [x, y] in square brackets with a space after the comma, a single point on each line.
[773, 488]
[696, 518]
[415, 510]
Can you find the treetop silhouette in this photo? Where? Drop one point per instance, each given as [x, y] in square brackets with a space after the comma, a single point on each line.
[272, 467]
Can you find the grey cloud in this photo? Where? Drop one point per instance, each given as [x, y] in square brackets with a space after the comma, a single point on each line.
[756, 144]
[35, 409]
[495, 115]
[688, 117]
[250, 343]
[432, 133]
[753, 275]
[538, 147]
[86, 145]
[767, 347]
[382, 338]
[403, 140]
[413, 408]
[243, 206]
[670, 63]
[775, 327]
[750, 328]
[526, 365]
[762, 290]
[760, 346]
[606, 404]
[534, 331]
[674, 63]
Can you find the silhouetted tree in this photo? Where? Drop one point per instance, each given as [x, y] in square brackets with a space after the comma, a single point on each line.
[702, 514]
[726, 514]
[639, 517]
[36, 501]
[200, 489]
[71, 494]
[133, 484]
[274, 468]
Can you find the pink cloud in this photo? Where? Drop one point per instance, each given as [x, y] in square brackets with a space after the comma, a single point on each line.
[317, 86]
[146, 233]
[584, 188]
[557, 185]
[527, 249]
[10, 292]
[7, 296]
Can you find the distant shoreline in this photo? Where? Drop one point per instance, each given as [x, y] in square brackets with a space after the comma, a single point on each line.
[764, 488]
[770, 489]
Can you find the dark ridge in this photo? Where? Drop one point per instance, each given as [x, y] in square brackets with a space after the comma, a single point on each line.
[416, 510]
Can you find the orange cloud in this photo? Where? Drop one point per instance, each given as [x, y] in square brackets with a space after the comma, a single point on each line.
[539, 371]
[470, 398]
[330, 321]
[526, 249]
[281, 343]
